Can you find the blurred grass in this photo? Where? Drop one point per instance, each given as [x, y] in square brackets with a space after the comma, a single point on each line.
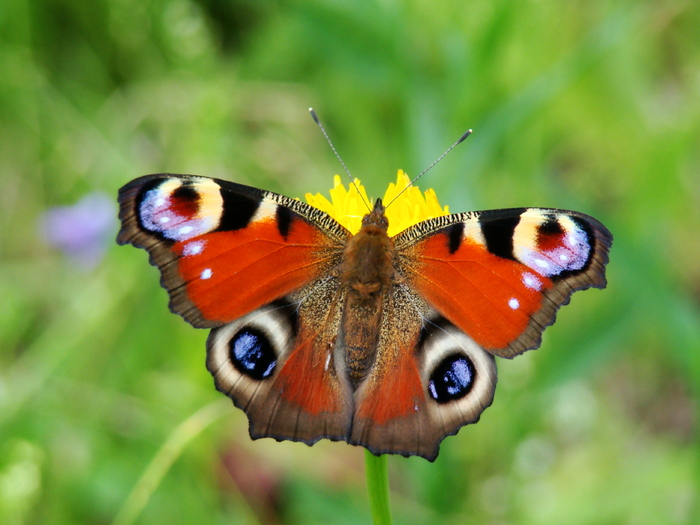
[593, 107]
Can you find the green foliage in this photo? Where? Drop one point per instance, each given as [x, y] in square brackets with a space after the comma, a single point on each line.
[579, 105]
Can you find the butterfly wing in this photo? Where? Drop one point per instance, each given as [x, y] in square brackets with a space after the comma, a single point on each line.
[429, 379]
[469, 286]
[225, 249]
[501, 275]
[278, 365]
[258, 268]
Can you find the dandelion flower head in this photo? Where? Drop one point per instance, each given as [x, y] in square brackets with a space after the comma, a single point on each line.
[349, 205]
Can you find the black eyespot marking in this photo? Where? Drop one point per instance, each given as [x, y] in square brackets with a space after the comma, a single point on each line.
[252, 354]
[184, 200]
[238, 210]
[498, 228]
[185, 193]
[284, 220]
[549, 234]
[455, 234]
[550, 226]
[452, 379]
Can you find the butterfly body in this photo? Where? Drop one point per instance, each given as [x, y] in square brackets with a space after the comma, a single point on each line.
[366, 275]
[385, 342]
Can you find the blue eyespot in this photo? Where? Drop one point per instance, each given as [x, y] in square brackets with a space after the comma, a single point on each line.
[452, 379]
[252, 353]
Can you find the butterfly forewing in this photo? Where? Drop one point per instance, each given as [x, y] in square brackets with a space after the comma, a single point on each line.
[225, 249]
[501, 275]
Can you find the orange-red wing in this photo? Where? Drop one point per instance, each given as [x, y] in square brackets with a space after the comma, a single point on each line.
[225, 249]
[276, 363]
[428, 380]
[501, 275]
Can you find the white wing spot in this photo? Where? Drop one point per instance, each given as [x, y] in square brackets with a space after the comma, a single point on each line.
[206, 274]
[532, 282]
[164, 219]
[193, 248]
[542, 263]
[563, 257]
[160, 201]
[185, 230]
[514, 303]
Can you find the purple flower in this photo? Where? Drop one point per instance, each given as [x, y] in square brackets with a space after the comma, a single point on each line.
[82, 231]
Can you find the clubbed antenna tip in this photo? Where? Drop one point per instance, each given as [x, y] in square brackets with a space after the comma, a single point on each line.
[462, 138]
[315, 117]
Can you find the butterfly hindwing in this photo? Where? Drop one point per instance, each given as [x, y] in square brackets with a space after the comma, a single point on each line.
[278, 365]
[225, 249]
[429, 380]
[501, 275]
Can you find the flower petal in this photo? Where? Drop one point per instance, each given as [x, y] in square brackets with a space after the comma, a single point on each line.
[406, 206]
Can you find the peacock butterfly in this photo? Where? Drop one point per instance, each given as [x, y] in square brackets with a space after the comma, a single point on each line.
[386, 342]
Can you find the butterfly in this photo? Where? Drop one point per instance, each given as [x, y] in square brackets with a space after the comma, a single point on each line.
[383, 342]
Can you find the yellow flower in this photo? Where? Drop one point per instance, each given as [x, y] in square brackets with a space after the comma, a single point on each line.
[347, 206]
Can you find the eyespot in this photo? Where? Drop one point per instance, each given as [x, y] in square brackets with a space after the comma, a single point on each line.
[453, 378]
[252, 353]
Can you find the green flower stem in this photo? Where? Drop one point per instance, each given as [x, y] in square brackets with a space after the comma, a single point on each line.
[378, 488]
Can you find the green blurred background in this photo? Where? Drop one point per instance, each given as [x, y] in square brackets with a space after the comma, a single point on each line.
[106, 409]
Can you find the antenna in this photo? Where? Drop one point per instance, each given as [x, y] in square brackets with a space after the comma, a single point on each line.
[459, 141]
[328, 139]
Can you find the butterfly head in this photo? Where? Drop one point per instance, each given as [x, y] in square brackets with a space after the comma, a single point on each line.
[376, 219]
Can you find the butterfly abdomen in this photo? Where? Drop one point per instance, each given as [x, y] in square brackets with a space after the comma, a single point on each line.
[366, 274]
